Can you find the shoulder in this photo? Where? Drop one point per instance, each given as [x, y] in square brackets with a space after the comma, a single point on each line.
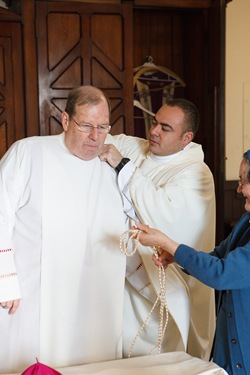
[194, 157]
[189, 169]
[34, 141]
[195, 151]
[191, 157]
[128, 144]
[26, 147]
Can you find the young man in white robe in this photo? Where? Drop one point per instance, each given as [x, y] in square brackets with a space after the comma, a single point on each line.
[166, 184]
[61, 271]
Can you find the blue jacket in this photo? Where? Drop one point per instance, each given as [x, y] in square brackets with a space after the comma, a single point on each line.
[227, 269]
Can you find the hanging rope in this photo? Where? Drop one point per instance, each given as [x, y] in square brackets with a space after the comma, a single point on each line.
[126, 246]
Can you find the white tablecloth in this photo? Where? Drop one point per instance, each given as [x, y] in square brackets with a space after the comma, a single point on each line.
[175, 363]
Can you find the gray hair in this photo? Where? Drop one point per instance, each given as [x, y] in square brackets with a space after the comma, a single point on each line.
[246, 156]
[85, 96]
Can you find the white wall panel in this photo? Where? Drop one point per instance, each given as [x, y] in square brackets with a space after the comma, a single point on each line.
[237, 85]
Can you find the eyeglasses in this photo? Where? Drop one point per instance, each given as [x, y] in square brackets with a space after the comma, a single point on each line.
[242, 183]
[248, 155]
[88, 128]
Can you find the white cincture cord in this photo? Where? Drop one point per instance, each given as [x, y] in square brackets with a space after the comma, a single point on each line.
[125, 244]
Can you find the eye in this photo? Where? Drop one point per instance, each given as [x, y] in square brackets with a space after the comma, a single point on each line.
[86, 126]
[166, 129]
[154, 122]
[102, 127]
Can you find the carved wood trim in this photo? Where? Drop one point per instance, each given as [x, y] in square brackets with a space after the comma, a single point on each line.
[185, 4]
[7, 15]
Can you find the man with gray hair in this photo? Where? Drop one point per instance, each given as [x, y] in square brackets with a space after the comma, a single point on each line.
[61, 271]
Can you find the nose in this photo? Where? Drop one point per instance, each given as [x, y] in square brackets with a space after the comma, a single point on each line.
[94, 133]
[155, 129]
[239, 189]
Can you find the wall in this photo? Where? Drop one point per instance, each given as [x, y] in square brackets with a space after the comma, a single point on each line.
[237, 85]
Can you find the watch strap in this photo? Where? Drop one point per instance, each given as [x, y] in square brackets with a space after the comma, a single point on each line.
[123, 162]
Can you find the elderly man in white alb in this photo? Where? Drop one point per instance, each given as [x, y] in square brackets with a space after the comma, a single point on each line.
[166, 184]
[61, 271]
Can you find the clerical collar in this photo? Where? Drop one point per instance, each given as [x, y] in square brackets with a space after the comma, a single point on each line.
[167, 158]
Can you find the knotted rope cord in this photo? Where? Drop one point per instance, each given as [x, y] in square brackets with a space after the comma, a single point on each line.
[134, 234]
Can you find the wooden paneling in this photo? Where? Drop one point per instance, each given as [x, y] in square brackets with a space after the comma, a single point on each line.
[158, 33]
[31, 69]
[191, 43]
[93, 48]
[12, 125]
[184, 4]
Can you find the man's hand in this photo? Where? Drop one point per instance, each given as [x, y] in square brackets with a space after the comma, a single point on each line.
[111, 155]
[11, 305]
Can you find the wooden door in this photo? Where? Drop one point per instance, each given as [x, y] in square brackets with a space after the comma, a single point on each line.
[84, 44]
[12, 124]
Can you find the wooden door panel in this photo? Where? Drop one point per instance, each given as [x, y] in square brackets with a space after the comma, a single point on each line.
[112, 37]
[104, 71]
[70, 27]
[83, 45]
[12, 126]
[59, 65]
[6, 92]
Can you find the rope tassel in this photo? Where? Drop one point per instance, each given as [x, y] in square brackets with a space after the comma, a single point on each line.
[126, 246]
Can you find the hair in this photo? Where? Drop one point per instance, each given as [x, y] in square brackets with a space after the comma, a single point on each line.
[246, 156]
[85, 96]
[192, 118]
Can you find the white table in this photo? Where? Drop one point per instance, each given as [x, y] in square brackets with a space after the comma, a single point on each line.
[175, 363]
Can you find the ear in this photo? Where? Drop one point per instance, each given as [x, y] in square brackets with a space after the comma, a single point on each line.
[188, 137]
[65, 121]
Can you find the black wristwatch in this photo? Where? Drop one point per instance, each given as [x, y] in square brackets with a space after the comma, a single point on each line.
[123, 162]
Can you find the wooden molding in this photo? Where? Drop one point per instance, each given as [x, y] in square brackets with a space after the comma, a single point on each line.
[7, 15]
[195, 4]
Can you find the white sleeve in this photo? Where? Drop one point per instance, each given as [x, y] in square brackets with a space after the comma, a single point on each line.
[9, 288]
[9, 183]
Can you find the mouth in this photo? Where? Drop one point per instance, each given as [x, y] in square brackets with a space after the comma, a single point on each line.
[153, 142]
[91, 146]
[247, 199]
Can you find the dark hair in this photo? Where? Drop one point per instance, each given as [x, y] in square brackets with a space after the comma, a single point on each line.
[192, 118]
[246, 156]
[85, 95]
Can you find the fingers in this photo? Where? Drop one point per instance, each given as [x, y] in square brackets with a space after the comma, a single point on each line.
[11, 305]
[159, 263]
[163, 260]
[111, 155]
[6, 305]
[142, 227]
[14, 307]
[156, 261]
